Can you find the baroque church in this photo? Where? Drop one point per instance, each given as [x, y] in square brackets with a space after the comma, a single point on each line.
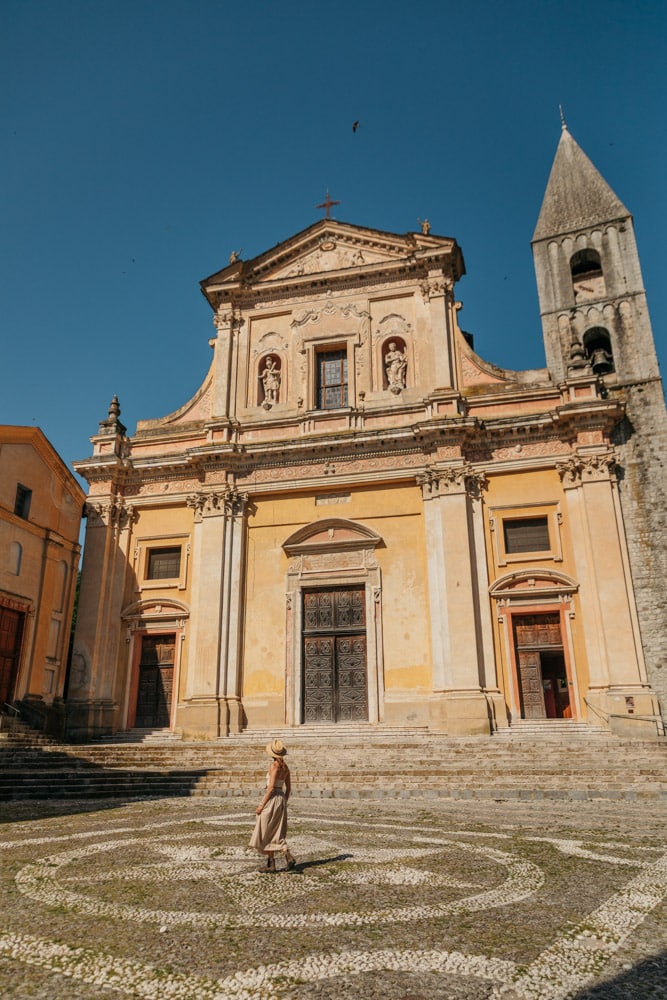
[357, 519]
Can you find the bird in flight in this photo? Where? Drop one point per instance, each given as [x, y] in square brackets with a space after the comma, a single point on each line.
[355, 126]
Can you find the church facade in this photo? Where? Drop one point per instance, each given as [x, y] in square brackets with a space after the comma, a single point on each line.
[357, 519]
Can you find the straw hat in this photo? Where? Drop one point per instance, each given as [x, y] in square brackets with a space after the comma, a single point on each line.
[276, 749]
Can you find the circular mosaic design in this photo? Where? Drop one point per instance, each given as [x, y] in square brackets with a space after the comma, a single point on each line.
[351, 875]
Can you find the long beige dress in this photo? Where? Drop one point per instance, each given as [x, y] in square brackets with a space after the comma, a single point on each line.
[271, 824]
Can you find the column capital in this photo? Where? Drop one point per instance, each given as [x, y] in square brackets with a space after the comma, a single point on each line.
[228, 502]
[582, 468]
[448, 480]
[111, 514]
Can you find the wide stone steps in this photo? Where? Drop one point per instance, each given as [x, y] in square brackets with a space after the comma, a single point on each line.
[350, 762]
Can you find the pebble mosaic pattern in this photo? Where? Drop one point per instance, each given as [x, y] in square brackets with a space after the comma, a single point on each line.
[163, 899]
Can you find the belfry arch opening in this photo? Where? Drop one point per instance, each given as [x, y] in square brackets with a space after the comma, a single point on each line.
[587, 276]
[597, 344]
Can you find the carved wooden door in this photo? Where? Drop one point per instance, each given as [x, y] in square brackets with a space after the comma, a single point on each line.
[334, 655]
[530, 680]
[534, 636]
[156, 680]
[11, 633]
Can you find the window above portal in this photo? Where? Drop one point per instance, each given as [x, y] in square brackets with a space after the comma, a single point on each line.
[526, 533]
[162, 562]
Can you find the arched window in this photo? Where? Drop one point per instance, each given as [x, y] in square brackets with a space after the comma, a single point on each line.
[597, 344]
[587, 277]
[15, 558]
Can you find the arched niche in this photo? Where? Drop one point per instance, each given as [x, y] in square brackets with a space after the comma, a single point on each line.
[270, 380]
[15, 558]
[335, 556]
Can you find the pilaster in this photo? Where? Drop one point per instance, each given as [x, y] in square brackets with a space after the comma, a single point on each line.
[212, 700]
[618, 685]
[92, 702]
[461, 635]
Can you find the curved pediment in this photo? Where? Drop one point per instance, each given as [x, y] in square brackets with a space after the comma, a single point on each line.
[331, 533]
[535, 582]
[156, 607]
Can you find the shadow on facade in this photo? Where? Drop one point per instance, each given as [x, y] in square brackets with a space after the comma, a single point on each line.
[648, 979]
[35, 774]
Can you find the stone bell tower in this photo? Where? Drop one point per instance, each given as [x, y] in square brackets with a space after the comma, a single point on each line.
[595, 320]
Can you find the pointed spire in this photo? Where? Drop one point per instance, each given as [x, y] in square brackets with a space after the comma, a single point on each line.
[113, 425]
[577, 196]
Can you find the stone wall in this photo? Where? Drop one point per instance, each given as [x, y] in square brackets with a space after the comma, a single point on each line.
[641, 440]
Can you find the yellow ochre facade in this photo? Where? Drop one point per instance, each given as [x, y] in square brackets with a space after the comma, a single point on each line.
[357, 520]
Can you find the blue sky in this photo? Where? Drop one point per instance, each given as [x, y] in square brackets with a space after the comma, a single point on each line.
[144, 141]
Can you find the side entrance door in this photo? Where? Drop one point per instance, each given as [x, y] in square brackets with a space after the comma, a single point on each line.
[156, 681]
[544, 689]
[11, 634]
[335, 686]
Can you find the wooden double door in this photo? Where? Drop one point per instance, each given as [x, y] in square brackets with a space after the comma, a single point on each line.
[544, 689]
[156, 681]
[11, 635]
[335, 676]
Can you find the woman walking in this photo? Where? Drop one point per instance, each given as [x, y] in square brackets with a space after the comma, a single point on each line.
[271, 825]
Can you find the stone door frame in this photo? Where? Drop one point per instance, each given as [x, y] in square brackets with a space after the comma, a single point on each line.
[152, 618]
[333, 553]
[534, 592]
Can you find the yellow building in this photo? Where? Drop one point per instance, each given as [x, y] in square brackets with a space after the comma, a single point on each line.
[357, 519]
[40, 515]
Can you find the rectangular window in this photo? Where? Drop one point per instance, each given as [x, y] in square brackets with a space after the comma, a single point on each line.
[526, 534]
[331, 379]
[22, 502]
[164, 564]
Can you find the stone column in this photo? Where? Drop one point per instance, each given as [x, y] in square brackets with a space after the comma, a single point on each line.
[92, 701]
[461, 640]
[212, 701]
[618, 687]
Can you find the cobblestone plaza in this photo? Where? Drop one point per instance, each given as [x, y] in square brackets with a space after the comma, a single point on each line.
[392, 898]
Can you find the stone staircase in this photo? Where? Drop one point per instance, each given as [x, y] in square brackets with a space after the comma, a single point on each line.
[342, 761]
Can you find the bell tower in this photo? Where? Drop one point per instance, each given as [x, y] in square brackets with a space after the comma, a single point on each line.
[588, 275]
[595, 320]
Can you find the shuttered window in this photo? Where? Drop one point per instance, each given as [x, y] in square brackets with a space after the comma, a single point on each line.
[526, 534]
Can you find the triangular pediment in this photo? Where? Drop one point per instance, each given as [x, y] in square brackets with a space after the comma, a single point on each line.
[330, 247]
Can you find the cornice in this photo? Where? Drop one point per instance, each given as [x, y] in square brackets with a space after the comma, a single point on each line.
[366, 277]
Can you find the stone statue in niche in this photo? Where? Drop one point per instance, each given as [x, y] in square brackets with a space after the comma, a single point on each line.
[396, 366]
[270, 379]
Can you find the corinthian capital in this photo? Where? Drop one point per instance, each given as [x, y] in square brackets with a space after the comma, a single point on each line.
[112, 514]
[228, 501]
[227, 319]
[450, 479]
[578, 469]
